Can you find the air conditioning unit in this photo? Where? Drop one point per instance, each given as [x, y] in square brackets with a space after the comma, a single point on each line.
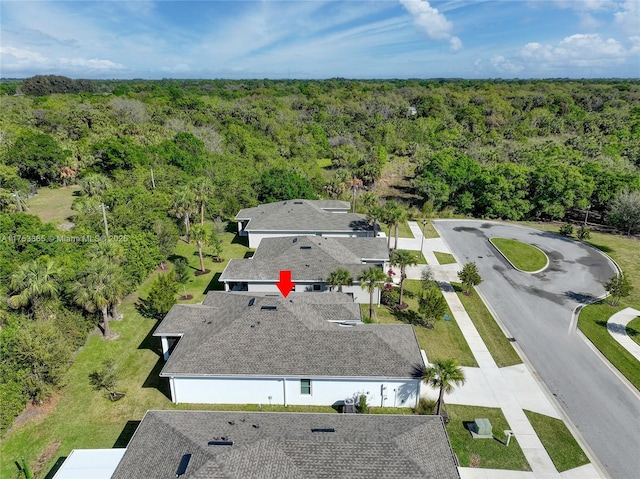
[349, 406]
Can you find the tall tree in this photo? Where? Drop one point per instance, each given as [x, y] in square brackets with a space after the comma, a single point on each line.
[202, 189]
[183, 206]
[340, 277]
[167, 236]
[444, 374]
[618, 287]
[370, 279]
[355, 184]
[93, 184]
[402, 258]
[200, 235]
[624, 212]
[432, 305]
[95, 290]
[469, 276]
[34, 283]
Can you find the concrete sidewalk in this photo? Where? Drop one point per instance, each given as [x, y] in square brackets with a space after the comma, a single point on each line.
[617, 327]
[512, 389]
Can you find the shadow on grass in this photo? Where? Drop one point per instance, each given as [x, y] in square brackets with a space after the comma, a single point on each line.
[145, 308]
[151, 343]
[242, 240]
[408, 316]
[154, 380]
[52, 472]
[126, 434]
[603, 248]
[249, 254]
[175, 257]
[214, 284]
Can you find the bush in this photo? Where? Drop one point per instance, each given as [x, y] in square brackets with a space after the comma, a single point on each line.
[361, 406]
[426, 407]
[584, 233]
[566, 230]
[13, 402]
[390, 296]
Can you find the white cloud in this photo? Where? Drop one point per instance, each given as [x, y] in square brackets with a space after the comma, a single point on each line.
[432, 22]
[581, 50]
[628, 19]
[502, 65]
[587, 5]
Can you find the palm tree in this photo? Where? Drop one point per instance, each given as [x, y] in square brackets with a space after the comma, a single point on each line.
[94, 184]
[340, 277]
[201, 188]
[402, 258]
[355, 184]
[392, 214]
[370, 279]
[183, 206]
[444, 374]
[201, 237]
[34, 282]
[109, 250]
[96, 290]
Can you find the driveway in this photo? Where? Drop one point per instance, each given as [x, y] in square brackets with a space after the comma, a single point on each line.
[537, 310]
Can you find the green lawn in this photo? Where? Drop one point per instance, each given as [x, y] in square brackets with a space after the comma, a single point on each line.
[523, 256]
[593, 318]
[53, 204]
[403, 231]
[560, 444]
[483, 453]
[444, 258]
[499, 347]
[445, 340]
[420, 259]
[633, 329]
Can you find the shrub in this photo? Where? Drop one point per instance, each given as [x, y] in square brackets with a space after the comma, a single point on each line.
[584, 233]
[362, 407]
[566, 230]
[425, 407]
[390, 296]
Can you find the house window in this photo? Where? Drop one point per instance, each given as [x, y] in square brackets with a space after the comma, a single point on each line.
[305, 387]
[317, 287]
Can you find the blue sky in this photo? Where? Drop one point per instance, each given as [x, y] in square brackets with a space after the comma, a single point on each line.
[321, 39]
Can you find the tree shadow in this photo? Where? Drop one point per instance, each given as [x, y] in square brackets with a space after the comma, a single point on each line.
[408, 316]
[126, 434]
[603, 248]
[144, 307]
[583, 298]
[175, 257]
[231, 227]
[214, 284]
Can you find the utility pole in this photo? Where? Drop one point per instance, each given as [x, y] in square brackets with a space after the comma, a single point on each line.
[424, 223]
[153, 181]
[104, 218]
[586, 216]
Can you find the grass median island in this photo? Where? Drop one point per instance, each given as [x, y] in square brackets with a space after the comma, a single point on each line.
[564, 450]
[483, 453]
[499, 346]
[521, 255]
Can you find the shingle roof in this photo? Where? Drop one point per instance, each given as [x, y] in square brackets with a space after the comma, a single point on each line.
[302, 215]
[309, 258]
[227, 336]
[282, 446]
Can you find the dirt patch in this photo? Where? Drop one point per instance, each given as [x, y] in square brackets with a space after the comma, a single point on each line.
[34, 412]
[46, 456]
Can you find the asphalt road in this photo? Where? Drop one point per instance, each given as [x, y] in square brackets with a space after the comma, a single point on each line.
[537, 311]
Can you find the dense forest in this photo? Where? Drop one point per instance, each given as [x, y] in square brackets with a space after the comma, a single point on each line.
[156, 155]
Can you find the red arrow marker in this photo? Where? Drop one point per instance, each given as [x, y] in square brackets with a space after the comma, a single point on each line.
[285, 285]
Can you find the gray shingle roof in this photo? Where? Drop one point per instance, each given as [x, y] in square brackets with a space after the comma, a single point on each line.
[226, 336]
[309, 258]
[303, 216]
[284, 447]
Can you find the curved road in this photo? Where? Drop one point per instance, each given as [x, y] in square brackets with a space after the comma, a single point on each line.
[537, 311]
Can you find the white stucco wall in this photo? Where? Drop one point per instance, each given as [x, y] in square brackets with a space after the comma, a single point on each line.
[324, 391]
[255, 237]
[359, 295]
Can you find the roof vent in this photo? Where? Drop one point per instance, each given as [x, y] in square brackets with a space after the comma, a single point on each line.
[269, 308]
[305, 247]
[220, 443]
[251, 301]
[323, 429]
[184, 463]
[298, 203]
[295, 240]
[256, 426]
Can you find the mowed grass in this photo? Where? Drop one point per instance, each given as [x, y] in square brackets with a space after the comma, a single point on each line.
[560, 444]
[445, 340]
[499, 346]
[444, 258]
[633, 329]
[403, 231]
[420, 259]
[523, 256]
[84, 418]
[53, 204]
[483, 453]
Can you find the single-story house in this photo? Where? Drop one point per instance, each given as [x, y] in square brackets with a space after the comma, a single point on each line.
[307, 349]
[301, 217]
[268, 445]
[310, 259]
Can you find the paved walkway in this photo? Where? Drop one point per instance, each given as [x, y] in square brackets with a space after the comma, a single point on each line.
[617, 327]
[512, 389]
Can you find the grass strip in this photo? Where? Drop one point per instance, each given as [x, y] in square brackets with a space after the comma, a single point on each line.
[483, 453]
[633, 329]
[523, 256]
[564, 450]
[444, 258]
[497, 343]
